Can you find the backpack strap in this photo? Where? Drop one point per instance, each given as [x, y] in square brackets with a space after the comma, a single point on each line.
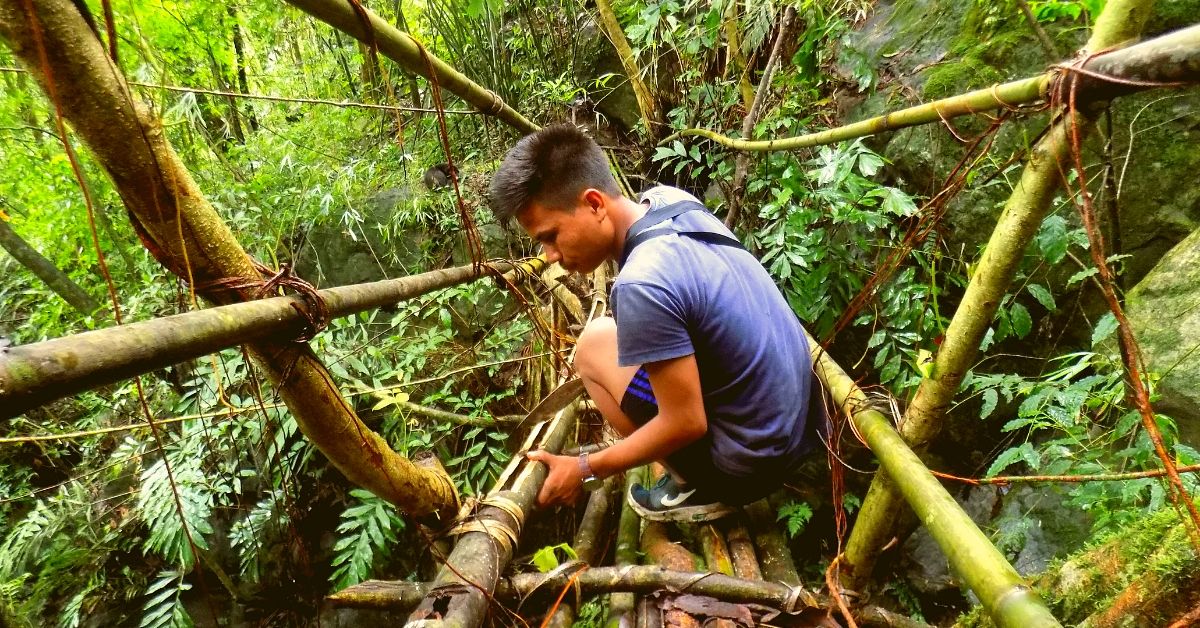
[640, 232]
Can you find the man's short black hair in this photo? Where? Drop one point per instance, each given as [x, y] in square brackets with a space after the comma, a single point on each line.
[552, 167]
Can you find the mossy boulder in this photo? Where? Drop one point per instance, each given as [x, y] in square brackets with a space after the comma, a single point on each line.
[1145, 574]
[1164, 310]
[364, 243]
[928, 49]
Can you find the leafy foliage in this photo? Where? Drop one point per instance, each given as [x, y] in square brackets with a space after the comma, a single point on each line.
[795, 516]
[1072, 420]
[366, 535]
[95, 524]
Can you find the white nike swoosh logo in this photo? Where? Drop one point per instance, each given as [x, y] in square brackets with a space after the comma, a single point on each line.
[671, 502]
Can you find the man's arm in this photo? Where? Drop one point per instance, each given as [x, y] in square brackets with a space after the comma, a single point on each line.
[681, 420]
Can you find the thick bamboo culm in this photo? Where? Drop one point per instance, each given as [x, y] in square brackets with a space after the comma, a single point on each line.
[741, 551]
[1120, 21]
[403, 49]
[34, 374]
[466, 582]
[774, 556]
[1001, 590]
[592, 529]
[629, 527]
[1171, 58]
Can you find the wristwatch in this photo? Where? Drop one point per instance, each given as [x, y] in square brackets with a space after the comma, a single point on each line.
[590, 481]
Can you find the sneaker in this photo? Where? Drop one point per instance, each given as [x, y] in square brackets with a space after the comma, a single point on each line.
[669, 501]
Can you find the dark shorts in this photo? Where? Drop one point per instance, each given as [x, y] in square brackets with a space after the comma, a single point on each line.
[694, 462]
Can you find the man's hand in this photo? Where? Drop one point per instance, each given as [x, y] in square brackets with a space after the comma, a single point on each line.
[563, 484]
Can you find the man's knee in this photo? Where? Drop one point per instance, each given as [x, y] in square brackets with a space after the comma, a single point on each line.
[596, 346]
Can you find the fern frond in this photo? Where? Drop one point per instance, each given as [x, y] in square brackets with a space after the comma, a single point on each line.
[366, 534]
[248, 535]
[168, 536]
[164, 603]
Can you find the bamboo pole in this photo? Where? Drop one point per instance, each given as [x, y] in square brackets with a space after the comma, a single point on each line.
[716, 552]
[1000, 589]
[399, 47]
[1173, 57]
[658, 548]
[735, 60]
[773, 553]
[629, 527]
[641, 579]
[1019, 221]
[34, 374]
[647, 105]
[592, 528]
[741, 551]
[465, 584]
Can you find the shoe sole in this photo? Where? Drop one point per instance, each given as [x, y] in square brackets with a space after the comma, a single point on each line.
[692, 514]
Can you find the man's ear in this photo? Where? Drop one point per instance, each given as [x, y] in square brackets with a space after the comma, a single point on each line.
[597, 202]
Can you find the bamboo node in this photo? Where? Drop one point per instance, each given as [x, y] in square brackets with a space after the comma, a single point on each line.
[798, 599]
[504, 535]
[566, 570]
[497, 106]
[273, 282]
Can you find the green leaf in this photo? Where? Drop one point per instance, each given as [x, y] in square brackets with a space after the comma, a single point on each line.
[989, 339]
[1104, 328]
[1022, 324]
[891, 369]
[990, 399]
[796, 516]
[869, 164]
[546, 558]
[1052, 239]
[1081, 275]
[1009, 457]
[1043, 296]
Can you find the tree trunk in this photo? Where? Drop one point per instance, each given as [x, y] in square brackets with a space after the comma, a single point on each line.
[1014, 231]
[735, 60]
[55, 279]
[239, 60]
[165, 204]
[753, 112]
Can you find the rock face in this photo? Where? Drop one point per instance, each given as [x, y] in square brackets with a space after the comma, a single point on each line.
[613, 98]
[1164, 310]
[337, 253]
[922, 50]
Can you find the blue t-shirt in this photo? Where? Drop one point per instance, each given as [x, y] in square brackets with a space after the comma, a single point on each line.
[677, 296]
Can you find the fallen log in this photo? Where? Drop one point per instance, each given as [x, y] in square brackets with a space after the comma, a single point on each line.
[536, 588]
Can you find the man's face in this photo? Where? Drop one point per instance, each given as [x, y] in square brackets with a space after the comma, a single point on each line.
[580, 238]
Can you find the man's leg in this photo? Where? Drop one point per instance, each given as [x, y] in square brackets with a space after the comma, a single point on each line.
[596, 362]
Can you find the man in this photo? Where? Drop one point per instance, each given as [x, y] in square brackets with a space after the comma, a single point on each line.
[703, 367]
